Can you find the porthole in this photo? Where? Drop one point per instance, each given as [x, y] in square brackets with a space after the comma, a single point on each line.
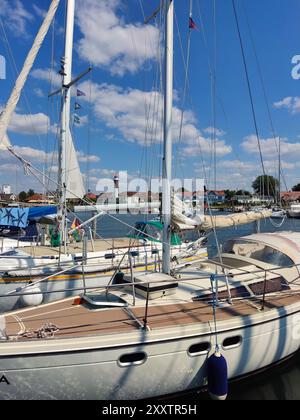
[232, 342]
[199, 349]
[132, 359]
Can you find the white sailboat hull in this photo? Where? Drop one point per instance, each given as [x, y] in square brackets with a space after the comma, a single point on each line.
[89, 368]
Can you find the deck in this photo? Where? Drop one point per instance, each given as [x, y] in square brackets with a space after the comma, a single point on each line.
[100, 245]
[76, 320]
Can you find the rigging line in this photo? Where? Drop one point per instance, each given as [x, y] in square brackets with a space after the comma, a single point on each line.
[213, 93]
[209, 60]
[50, 89]
[186, 82]
[151, 109]
[249, 86]
[31, 169]
[88, 164]
[276, 137]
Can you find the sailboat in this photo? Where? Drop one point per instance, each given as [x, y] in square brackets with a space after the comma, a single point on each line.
[60, 267]
[156, 333]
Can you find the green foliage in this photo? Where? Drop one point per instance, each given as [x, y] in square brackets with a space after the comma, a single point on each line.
[266, 185]
[296, 188]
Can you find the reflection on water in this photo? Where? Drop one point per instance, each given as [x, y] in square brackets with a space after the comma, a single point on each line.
[281, 382]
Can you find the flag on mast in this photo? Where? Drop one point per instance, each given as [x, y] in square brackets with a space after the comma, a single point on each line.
[192, 24]
[80, 93]
[76, 119]
[77, 106]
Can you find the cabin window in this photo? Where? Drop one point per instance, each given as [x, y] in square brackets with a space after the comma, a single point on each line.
[232, 342]
[132, 359]
[199, 349]
[258, 251]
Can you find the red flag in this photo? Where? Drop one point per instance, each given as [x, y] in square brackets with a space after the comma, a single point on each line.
[192, 24]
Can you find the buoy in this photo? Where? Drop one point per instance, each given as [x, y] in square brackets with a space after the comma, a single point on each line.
[32, 300]
[217, 377]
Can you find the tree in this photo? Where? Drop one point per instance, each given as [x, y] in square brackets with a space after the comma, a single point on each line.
[30, 193]
[243, 192]
[229, 195]
[296, 187]
[266, 185]
[22, 196]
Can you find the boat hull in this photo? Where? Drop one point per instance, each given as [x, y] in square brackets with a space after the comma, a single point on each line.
[91, 369]
[294, 214]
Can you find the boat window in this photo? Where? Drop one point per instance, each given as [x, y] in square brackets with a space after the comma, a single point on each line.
[199, 349]
[258, 251]
[132, 359]
[232, 342]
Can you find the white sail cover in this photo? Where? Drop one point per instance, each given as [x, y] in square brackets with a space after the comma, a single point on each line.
[15, 95]
[75, 186]
[184, 218]
[4, 143]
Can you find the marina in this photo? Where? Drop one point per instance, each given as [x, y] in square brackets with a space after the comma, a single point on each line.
[157, 286]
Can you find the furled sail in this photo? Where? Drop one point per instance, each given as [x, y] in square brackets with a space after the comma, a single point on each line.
[16, 93]
[75, 186]
[184, 218]
[4, 143]
[235, 219]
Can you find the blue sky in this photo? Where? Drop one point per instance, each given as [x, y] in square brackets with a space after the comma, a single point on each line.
[121, 112]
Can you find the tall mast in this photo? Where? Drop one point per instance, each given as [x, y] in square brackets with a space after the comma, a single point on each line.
[167, 160]
[279, 172]
[65, 118]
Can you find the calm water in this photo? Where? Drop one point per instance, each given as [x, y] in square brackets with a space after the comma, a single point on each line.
[279, 383]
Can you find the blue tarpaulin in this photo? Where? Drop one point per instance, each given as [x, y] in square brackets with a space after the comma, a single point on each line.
[37, 212]
[20, 217]
[15, 217]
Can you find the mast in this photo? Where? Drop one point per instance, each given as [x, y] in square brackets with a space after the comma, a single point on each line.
[65, 119]
[167, 159]
[279, 173]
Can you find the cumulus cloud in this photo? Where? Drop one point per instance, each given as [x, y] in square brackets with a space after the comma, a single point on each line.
[109, 42]
[292, 104]
[269, 149]
[16, 16]
[138, 116]
[28, 124]
[47, 75]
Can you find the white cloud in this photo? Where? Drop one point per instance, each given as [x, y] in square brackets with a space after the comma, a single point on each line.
[109, 42]
[127, 110]
[269, 149]
[83, 158]
[39, 11]
[16, 16]
[216, 131]
[39, 93]
[292, 104]
[47, 75]
[29, 124]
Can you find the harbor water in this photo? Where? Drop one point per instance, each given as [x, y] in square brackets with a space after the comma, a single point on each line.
[281, 382]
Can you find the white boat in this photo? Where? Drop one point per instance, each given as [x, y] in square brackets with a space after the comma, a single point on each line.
[120, 345]
[151, 333]
[278, 213]
[63, 264]
[294, 212]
